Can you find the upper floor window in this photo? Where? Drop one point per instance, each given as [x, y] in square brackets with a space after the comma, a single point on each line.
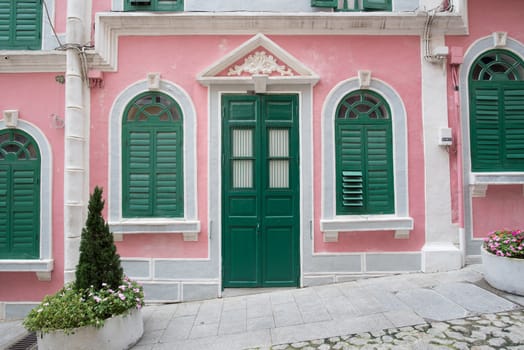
[154, 5]
[20, 24]
[354, 5]
[364, 155]
[152, 180]
[497, 112]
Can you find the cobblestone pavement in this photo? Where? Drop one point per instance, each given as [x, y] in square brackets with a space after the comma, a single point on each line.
[504, 330]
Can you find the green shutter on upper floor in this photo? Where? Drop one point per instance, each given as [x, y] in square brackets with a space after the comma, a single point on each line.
[154, 5]
[376, 5]
[20, 24]
[324, 3]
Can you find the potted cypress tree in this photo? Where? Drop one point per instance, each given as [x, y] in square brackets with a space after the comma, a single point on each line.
[101, 308]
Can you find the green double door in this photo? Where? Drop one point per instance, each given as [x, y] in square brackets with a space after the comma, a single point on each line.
[260, 191]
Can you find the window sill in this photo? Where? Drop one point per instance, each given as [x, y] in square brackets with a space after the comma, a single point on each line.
[479, 181]
[189, 228]
[332, 227]
[42, 267]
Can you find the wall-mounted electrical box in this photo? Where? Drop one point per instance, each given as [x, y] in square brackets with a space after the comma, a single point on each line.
[445, 137]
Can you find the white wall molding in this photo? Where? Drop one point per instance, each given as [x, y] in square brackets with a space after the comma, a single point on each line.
[110, 25]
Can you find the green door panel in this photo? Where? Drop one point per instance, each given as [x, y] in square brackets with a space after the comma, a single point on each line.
[260, 191]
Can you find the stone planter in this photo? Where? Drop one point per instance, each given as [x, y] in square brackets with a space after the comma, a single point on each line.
[503, 273]
[118, 333]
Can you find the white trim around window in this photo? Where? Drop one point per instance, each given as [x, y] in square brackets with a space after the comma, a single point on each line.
[44, 265]
[189, 225]
[331, 223]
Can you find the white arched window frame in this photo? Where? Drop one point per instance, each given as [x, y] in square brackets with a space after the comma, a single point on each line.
[331, 223]
[189, 225]
[44, 264]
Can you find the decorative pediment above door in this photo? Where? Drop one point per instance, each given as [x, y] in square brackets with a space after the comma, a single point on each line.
[258, 62]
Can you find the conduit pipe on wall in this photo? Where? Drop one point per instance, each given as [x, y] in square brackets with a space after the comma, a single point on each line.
[75, 145]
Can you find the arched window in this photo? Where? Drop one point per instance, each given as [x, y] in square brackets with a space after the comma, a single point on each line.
[364, 155]
[152, 180]
[19, 195]
[496, 88]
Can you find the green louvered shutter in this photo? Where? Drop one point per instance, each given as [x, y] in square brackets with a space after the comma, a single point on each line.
[19, 196]
[364, 155]
[486, 133]
[379, 166]
[24, 212]
[365, 171]
[376, 5]
[514, 127]
[20, 24]
[5, 228]
[138, 194]
[152, 179]
[324, 3]
[168, 172]
[350, 183]
[5, 24]
[154, 5]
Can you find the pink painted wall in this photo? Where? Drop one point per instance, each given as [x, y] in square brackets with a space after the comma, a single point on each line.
[37, 96]
[180, 58]
[502, 206]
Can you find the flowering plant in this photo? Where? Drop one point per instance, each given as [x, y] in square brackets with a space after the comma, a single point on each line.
[508, 243]
[71, 308]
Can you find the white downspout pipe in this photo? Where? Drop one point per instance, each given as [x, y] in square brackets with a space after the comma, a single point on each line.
[75, 140]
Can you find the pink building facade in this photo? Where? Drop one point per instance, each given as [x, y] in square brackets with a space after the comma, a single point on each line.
[257, 145]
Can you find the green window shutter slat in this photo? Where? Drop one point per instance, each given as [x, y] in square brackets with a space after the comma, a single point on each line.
[379, 169]
[352, 189]
[5, 22]
[324, 3]
[376, 5]
[485, 129]
[24, 213]
[139, 181]
[514, 125]
[168, 172]
[4, 207]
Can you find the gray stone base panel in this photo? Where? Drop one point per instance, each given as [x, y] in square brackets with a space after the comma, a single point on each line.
[15, 310]
[333, 268]
[178, 291]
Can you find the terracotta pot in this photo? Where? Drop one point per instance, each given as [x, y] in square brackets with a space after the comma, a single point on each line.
[503, 273]
[118, 333]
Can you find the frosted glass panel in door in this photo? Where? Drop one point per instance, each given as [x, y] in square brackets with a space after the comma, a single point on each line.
[242, 148]
[278, 158]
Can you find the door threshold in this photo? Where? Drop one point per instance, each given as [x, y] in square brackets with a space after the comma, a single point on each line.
[236, 292]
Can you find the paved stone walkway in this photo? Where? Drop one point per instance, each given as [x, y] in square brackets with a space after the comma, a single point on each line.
[437, 311]
[503, 330]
